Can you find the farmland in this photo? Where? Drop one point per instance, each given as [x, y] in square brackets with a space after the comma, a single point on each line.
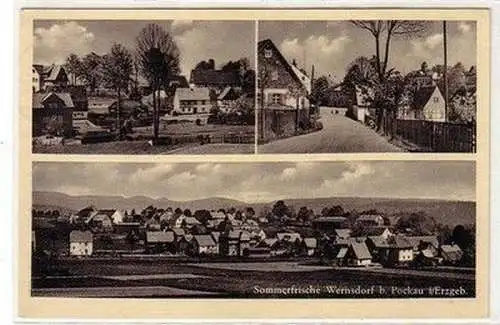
[241, 280]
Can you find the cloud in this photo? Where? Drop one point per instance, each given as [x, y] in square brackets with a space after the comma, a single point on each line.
[216, 40]
[321, 44]
[151, 174]
[54, 44]
[252, 182]
[322, 51]
[356, 172]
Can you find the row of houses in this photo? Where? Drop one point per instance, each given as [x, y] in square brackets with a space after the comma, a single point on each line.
[58, 104]
[381, 246]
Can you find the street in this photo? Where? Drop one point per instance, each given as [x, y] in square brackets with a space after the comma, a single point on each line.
[339, 135]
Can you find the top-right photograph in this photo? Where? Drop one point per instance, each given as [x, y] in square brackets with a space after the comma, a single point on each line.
[366, 86]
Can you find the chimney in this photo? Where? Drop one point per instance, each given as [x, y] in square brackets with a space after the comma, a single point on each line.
[294, 63]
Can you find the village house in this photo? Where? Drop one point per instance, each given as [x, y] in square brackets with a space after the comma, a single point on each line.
[82, 215]
[328, 224]
[80, 243]
[421, 243]
[378, 231]
[286, 86]
[104, 219]
[204, 245]
[234, 243]
[160, 241]
[52, 114]
[451, 254]
[395, 250]
[428, 104]
[370, 220]
[358, 254]
[192, 101]
[46, 78]
[216, 80]
[227, 99]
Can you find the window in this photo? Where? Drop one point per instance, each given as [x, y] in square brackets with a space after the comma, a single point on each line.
[276, 99]
[436, 99]
[268, 53]
[275, 75]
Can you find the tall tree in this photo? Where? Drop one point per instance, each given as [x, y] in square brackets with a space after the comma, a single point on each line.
[91, 71]
[319, 94]
[158, 57]
[117, 69]
[383, 31]
[74, 67]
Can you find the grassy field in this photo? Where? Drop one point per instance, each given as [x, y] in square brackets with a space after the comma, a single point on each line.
[142, 147]
[237, 280]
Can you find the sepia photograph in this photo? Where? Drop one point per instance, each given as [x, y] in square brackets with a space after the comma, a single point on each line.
[348, 86]
[143, 87]
[363, 229]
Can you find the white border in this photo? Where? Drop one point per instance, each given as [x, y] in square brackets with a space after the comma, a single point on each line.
[9, 85]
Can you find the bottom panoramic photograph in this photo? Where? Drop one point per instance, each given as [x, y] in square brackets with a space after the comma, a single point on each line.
[364, 229]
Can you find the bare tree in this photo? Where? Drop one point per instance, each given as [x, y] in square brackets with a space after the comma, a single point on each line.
[158, 57]
[117, 69]
[383, 31]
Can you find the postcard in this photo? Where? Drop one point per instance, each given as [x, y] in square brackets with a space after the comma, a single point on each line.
[267, 163]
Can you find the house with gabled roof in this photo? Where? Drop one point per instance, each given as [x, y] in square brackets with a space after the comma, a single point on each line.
[80, 243]
[52, 113]
[204, 245]
[227, 99]
[160, 241]
[358, 254]
[217, 80]
[192, 101]
[451, 254]
[283, 85]
[428, 104]
[48, 77]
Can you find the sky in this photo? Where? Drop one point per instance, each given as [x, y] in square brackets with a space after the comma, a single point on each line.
[332, 45]
[261, 182]
[197, 40]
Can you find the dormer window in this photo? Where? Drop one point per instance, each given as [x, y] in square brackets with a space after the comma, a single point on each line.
[268, 53]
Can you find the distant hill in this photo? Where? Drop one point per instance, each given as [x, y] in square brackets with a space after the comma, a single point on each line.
[76, 203]
[446, 212]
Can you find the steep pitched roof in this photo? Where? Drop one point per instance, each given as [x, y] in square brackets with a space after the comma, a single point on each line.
[204, 240]
[228, 93]
[80, 236]
[38, 99]
[422, 96]
[195, 93]
[361, 251]
[451, 252]
[215, 77]
[268, 44]
[54, 72]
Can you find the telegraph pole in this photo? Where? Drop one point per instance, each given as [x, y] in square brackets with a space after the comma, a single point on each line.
[445, 76]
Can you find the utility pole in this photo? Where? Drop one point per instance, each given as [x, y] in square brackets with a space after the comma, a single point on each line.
[445, 76]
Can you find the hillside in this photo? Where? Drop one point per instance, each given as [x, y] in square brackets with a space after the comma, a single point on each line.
[446, 212]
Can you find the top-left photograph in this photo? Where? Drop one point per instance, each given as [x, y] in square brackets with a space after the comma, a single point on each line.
[143, 87]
